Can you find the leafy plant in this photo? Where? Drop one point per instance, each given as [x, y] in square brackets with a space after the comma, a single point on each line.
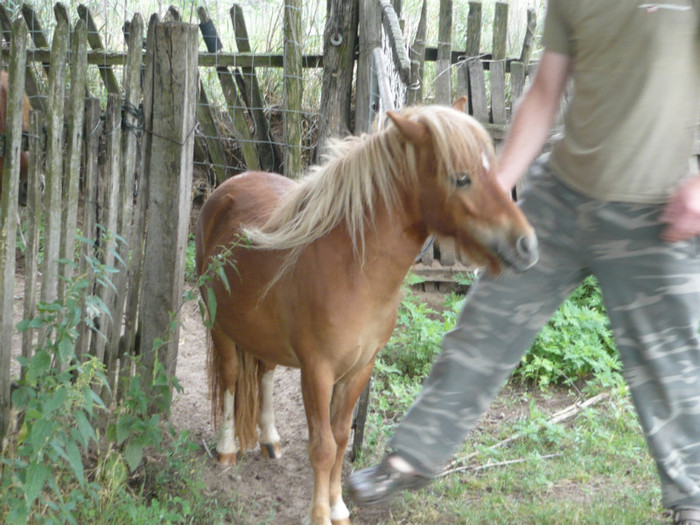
[576, 344]
[72, 460]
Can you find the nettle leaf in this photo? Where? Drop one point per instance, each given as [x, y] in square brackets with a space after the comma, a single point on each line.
[83, 431]
[38, 366]
[40, 432]
[37, 475]
[75, 461]
[211, 304]
[133, 454]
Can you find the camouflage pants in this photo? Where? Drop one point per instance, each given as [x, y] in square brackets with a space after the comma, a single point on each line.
[651, 290]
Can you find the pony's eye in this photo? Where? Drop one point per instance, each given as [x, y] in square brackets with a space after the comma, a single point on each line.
[461, 180]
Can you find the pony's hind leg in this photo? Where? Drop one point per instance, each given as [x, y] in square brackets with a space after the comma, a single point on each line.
[225, 375]
[269, 438]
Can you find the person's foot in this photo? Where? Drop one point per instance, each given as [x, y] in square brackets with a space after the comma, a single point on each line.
[686, 517]
[379, 483]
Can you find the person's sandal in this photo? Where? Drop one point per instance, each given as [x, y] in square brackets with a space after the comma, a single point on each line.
[378, 484]
[686, 517]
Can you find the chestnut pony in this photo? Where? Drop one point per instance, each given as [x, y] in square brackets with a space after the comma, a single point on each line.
[313, 271]
[24, 156]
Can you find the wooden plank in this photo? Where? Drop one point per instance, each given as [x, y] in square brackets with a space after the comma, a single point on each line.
[428, 251]
[497, 70]
[370, 37]
[339, 44]
[32, 223]
[171, 125]
[448, 251]
[36, 32]
[211, 135]
[443, 66]
[75, 115]
[500, 31]
[8, 213]
[107, 59]
[497, 77]
[131, 133]
[54, 163]
[472, 52]
[236, 107]
[473, 45]
[293, 88]
[91, 135]
[131, 320]
[270, 157]
[528, 40]
[31, 82]
[416, 53]
[517, 82]
[108, 196]
[95, 41]
[477, 86]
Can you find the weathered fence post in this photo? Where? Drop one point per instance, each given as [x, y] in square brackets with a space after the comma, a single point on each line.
[32, 222]
[367, 101]
[91, 136]
[131, 128]
[416, 52]
[497, 67]
[54, 161]
[8, 212]
[443, 66]
[171, 125]
[339, 39]
[108, 196]
[138, 239]
[293, 87]
[78, 82]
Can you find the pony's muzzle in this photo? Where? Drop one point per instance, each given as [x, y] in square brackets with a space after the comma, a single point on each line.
[526, 251]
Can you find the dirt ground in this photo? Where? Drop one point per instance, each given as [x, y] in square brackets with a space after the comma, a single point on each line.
[269, 491]
[278, 491]
[272, 491]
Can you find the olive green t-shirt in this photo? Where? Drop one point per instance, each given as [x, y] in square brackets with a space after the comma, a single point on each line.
[630, 125]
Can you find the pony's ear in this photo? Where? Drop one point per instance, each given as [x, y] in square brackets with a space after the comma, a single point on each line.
[460, 103]
[414, 132]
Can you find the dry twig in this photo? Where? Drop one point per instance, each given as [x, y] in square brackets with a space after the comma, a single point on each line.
[459, 464]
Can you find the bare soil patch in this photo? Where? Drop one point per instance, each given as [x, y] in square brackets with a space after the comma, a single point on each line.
[274, 491]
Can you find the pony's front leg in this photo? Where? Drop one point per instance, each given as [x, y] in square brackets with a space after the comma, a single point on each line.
[316, 387]
[345, 394]
[269, 438]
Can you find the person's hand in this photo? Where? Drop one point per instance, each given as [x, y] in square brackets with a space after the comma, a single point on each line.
[682, 213]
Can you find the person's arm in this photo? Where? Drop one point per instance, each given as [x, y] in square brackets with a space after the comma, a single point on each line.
[533, 118]
[682, 213]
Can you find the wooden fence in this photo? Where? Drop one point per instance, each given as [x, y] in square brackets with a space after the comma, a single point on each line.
[121, 164]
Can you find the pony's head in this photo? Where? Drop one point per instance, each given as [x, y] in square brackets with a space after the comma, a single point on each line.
[457, 194]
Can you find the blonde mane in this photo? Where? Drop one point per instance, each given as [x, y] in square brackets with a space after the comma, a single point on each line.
[358, 172]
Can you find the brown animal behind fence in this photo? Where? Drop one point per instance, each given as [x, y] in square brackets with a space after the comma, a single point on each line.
[24, 156]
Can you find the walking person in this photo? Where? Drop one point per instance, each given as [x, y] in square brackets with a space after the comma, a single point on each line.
[617, 198]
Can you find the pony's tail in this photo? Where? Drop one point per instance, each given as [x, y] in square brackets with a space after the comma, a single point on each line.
[246, 396]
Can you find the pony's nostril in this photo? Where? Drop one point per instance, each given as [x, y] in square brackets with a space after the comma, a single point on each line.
[527, 246]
